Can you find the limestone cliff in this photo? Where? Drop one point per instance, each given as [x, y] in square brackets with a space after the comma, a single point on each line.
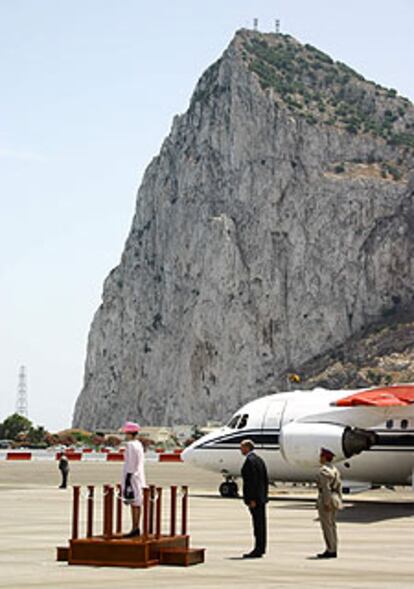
[275, 224]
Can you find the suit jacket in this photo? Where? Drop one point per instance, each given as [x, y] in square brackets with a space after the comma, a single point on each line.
[255, 479]
[64, 464]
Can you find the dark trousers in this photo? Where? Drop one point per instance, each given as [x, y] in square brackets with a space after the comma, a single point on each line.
[259, 526]
[64, 474]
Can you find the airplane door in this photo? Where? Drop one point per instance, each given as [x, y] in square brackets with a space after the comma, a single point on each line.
[272, 422]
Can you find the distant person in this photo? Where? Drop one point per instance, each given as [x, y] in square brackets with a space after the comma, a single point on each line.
[64, 470]
[255, 495]
[133, 479]
[329, 501]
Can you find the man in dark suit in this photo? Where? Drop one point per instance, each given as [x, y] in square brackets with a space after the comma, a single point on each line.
[255, 489]
[64, 470]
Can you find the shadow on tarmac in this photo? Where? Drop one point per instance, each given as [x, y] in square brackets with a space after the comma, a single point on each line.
[370, 512]
[363, 512]
[359, 512]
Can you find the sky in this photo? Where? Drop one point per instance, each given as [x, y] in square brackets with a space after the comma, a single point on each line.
[89, 89]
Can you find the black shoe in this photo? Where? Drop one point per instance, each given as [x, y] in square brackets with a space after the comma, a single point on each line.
[253, 554]
[133, 533]
[327, 554]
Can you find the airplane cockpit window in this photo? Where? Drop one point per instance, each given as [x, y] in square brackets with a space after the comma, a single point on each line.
[389, 424]
[233, 422]
[243, 421]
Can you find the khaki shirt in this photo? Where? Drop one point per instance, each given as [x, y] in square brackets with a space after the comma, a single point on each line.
[330, 487]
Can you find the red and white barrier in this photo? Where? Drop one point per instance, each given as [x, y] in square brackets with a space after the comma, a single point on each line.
[18, 456]
[85, 456]
[115, 457]
[72, 456]
[169, 457]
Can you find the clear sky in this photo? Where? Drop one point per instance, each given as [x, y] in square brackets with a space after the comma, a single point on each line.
[88, 92]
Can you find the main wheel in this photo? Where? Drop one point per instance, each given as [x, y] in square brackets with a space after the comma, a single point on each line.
[228, 489]
[225, 489]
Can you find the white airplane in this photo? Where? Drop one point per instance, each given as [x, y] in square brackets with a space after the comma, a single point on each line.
[370, 431]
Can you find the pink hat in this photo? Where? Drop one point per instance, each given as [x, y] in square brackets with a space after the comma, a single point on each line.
[130, 428]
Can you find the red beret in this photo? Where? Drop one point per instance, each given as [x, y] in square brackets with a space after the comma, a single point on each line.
[327, 453]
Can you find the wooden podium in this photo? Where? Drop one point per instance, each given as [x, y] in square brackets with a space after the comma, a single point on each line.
[111, 548]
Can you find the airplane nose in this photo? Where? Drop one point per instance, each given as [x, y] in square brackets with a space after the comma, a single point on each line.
[187, 455]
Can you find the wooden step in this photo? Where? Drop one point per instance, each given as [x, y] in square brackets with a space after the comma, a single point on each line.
[62, 553]
[166, 543]
[181, 556]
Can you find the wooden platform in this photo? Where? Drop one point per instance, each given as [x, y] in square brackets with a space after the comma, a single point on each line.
[112, 549]
[130, 552]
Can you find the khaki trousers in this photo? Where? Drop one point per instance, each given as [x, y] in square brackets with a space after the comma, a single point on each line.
[328, 524]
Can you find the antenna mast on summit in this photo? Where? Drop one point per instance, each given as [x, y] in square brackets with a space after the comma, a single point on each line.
[255, 24]
[277, 26]
[21, 402]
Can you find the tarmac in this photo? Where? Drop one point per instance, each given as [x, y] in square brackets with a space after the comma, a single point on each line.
[375, 529]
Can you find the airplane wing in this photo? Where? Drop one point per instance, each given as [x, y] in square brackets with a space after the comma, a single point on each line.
[346, 427]
[391, 396]
[368, 408]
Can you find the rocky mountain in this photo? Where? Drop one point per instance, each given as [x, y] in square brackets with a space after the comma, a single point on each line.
[382, 354]
[274, 230]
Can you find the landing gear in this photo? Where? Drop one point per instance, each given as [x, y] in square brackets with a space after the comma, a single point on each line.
[229, 488]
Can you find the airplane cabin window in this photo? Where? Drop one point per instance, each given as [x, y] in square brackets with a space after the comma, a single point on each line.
[233, 422]
[243, 422]
[404, 423]
[389, 424]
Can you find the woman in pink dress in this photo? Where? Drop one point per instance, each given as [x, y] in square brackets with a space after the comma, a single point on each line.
[133, 476]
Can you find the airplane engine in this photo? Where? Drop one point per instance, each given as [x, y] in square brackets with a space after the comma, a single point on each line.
[300, 443]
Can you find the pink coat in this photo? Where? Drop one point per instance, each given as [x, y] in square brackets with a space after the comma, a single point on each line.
[134, 464]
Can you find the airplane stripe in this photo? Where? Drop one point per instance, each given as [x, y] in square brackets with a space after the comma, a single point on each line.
[236, 447]
[257, 438]
[274, 448]
[249, 432]
[395, 450]
[396, 440]
[270, 438]
[391, 432]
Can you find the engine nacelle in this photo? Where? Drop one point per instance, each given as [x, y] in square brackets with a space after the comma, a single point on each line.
[300, 443]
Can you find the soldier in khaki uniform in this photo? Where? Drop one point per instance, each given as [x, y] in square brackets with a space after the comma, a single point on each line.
[329, 501]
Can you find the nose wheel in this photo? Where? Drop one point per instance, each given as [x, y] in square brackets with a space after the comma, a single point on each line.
[229, 489]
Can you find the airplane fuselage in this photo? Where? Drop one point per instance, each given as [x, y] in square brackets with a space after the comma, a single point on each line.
[389, 461]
